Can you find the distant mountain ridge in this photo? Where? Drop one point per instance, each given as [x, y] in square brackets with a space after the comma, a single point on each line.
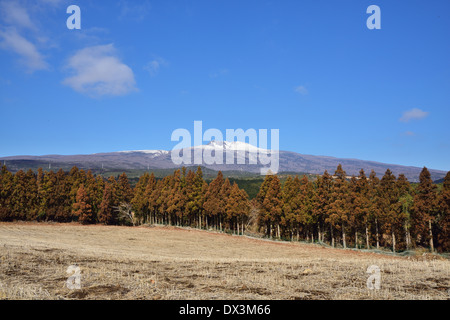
[161, 159]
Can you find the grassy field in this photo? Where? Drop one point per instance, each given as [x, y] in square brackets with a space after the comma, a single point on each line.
[172, 263]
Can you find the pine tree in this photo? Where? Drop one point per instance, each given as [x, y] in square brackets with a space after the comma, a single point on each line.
[152, 192]
[425, 209]
[140, 200]
[374, 208]
[47, 196]
[405, 204]
[106, 214]
[392, 217]
[176, 198]
[339, 206]
[82, 208]
[289, 195]
[6, 190]
[212, 200]
[124, 190]
[18, 196]
[62, 210]
[305, 208]
[321, 203]
[272, 207]
[195, 196]
[224, 195]
[443, 237]
[236, 208]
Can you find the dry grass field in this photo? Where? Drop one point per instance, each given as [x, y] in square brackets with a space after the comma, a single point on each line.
[172, 263]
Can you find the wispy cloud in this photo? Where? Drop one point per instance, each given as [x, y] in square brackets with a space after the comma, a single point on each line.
[14, 14]
[135, 10]
[413, 114]
[153, 66]
[99, 72]
[53, 2]
[30, 57]
[20, 34]
[302, 90]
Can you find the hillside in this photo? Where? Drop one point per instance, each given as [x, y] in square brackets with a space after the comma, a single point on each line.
[160, 162]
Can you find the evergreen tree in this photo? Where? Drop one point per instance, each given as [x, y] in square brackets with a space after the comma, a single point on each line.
[443, 221]
[289, 195]
[425, 212]
[82, 208]
[106, 214]
[272, 207]
[124, 190]
[212, 201]
[392, 217]
[406, 202]
[374, 209]
[140, 201]
[6, 191]
[305, 216]
[339, 206]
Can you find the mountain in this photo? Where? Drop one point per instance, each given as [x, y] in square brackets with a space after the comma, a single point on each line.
[244, 156]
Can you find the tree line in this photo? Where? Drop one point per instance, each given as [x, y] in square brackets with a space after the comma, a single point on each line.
[182, 199]
[360, 212]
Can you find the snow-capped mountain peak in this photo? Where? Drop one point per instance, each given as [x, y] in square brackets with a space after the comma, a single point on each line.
[233, 146]
[151, 152]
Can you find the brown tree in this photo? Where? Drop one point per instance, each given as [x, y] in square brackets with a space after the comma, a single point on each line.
[82, 208]
[425, 209]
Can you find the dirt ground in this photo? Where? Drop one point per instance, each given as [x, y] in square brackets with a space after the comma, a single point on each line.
[172, 263]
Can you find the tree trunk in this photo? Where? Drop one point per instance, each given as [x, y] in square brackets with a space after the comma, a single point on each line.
[343, 237]
[393, 241]
[356, 239]
[378, 236]
[367, 237]
[408, 245]
[431, 236]
[332, 236]
[319, 235]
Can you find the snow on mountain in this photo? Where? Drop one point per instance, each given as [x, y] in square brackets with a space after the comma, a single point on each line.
[153, 152]
[232, 146]
[213, 145]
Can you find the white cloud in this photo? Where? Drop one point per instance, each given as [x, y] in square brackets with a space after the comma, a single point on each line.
[19, 31]
[302, 90]
[135, 10]
[29, 55]
[52, 2]
[14, 14]
[153, 66]
[413, 114]
[98, 72]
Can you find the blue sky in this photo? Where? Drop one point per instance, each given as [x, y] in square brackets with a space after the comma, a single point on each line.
[138, 70]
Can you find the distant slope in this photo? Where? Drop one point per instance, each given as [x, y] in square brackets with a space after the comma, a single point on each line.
[161, 160]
